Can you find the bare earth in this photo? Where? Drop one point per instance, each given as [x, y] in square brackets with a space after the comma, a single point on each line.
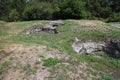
[23, 63]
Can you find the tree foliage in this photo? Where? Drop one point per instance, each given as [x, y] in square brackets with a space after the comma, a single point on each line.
[71, 9]
[41, 10]
[61, 9]
[99, 8]
[14, 15]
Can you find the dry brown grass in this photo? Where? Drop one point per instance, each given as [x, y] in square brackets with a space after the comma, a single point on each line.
[91, 25]
[24, 57]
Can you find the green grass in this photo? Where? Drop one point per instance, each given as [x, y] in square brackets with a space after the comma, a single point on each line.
[6, 63]
[29, 70]
[62, 41]
[4, 67]
[51, 62]
[107, 77]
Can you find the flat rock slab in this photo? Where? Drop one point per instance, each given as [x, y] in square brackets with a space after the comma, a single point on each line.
[117, 25]
[57, 23]
[87, 47]
[50, 27]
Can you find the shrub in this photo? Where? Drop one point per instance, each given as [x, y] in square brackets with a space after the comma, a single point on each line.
[41, 10]
[71, 9]
[115, 17]
[14, 15]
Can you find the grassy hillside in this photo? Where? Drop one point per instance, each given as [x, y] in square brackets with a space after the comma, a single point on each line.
[31, 56]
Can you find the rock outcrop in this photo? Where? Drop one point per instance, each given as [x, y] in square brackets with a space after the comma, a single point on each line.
[88, 47]
[112, 47]
[48, 28]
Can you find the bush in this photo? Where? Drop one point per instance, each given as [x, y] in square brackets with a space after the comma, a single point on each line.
[41, 10]
[115, 17]
[101, 8]
[5, 18]
[14, 15]
[71, 9]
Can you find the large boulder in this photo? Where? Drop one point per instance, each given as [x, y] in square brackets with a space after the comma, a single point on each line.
[87, 47]
[112, 47]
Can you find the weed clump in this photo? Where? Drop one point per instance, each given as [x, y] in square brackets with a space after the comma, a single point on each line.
[51, 61]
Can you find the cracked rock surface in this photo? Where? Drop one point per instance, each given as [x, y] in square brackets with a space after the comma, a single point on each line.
[111, 47]
[48, 28]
